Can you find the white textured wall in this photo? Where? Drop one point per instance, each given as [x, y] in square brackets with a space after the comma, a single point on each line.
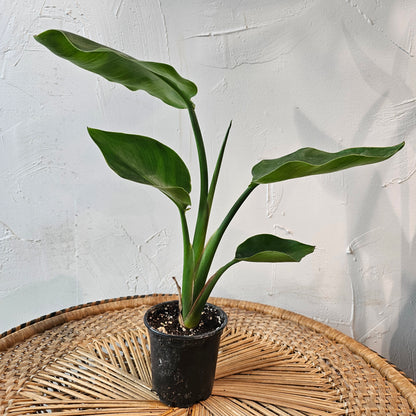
[289, 73]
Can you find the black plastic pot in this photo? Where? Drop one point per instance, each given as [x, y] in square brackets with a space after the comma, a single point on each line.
[183, 366]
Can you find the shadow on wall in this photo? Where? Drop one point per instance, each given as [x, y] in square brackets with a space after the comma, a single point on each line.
[37, 299]
[403, 344]
[402, 350]
[401, 347]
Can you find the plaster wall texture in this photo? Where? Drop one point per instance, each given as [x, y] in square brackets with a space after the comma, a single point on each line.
[290, 74]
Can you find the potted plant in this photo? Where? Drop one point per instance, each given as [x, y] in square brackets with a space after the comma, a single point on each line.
[191, 321]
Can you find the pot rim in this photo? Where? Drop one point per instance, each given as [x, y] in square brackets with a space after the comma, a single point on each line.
[186, 336]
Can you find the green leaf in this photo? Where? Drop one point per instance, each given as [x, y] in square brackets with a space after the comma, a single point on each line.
[217, 169]
[272, 249]
[159, 80]
[309, 161]
[145, 160]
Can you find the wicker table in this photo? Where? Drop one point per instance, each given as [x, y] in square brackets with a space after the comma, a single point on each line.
[93, 360]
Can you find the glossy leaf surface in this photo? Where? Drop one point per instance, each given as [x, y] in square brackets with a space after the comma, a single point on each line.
[272, 249]
[158, 79]
[145, 160]
[309, 161]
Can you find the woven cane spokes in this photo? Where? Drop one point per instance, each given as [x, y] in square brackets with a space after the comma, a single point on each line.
[254, 374]
[129, 352]
[115, 368]
[111, 376]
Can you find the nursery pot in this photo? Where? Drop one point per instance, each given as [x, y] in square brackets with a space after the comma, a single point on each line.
[183, 366]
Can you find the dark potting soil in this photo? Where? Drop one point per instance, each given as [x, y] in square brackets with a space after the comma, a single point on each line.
[165, 319]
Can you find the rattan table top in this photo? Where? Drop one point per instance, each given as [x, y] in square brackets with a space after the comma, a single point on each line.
[93, 360]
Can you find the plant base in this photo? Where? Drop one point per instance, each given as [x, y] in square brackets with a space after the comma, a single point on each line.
[183, 366]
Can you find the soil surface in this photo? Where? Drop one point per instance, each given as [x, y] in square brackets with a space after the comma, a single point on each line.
[165, 319]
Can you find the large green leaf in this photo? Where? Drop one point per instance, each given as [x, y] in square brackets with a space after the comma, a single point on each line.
[145, 160]
[309, 161]
[272, 249]
[159, 80]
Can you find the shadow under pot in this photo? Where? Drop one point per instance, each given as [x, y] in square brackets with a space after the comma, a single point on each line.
[183, 365]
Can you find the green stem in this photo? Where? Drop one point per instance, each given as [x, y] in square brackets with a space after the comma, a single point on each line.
[203, 210]
[214, 241]
[187, 273]
[194, 315]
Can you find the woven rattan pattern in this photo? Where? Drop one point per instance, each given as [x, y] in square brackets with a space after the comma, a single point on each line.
[94, 360]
